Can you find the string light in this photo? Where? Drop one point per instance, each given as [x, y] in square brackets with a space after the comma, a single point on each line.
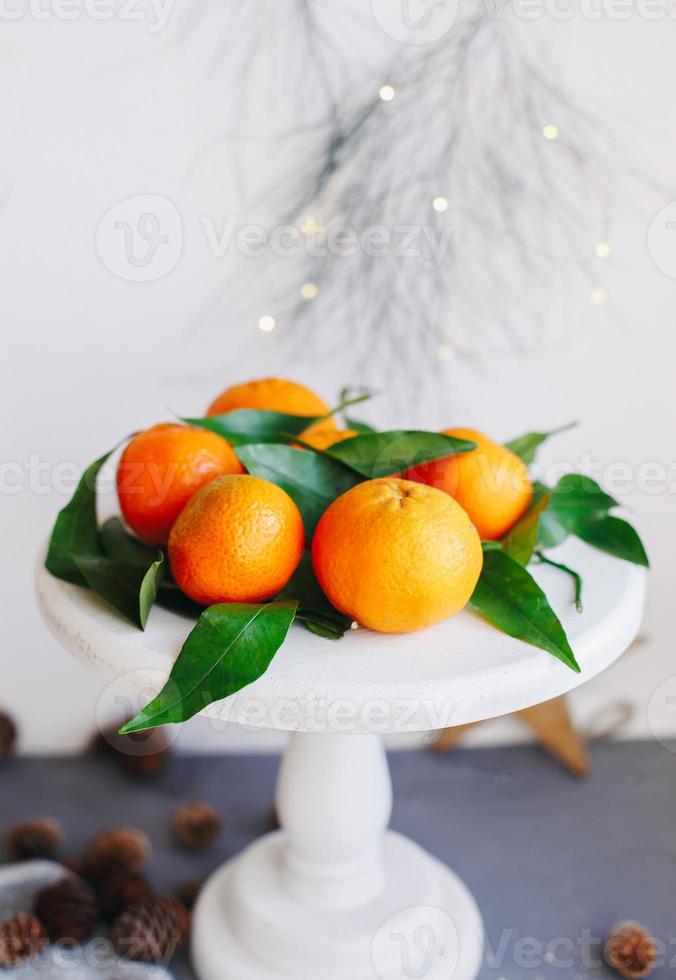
[386, 93]
[602, 250]
[550, 131]
[267, 323]
[598, 295]
[445, 352]
[440, 204]
[311, 226]
[308, 290]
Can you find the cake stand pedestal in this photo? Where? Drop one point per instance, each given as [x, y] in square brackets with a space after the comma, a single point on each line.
[334, 895]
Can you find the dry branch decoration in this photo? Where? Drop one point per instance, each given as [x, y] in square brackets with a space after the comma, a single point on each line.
[465, 120]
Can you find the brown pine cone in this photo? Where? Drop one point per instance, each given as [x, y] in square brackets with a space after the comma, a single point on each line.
[8, 735]
[187, 893]
[631, 950]
[116, 849]
[120, 890]
[196, 825]
[69, 910]
[21, 938]
[151, 932]
[140, 753]
[74, 865]
[38, 838]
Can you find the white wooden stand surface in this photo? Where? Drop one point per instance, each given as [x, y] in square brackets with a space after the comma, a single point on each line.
[334, 895]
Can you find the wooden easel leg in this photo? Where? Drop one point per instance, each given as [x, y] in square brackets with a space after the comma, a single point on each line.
[551, 724]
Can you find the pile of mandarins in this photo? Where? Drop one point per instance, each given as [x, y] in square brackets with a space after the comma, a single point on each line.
[395, 554]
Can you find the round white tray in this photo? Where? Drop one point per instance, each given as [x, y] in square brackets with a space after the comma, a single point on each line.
[458, 671]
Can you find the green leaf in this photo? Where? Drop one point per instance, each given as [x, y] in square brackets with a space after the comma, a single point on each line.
[314, 609]
[576, 499]
[519, 542]
[230, 647]
[75, 530]
[361, 427]
[526, 446]
[386, 453]
[123, 547]
[244, 426]
[127, 576]
[312, 480]
[616, 537]
[508, 596]
[131, 589]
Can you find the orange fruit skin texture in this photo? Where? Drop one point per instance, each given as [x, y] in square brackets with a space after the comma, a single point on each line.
[323, 438]
[491, 483]
[396, 556]
[162, 468]
[274, 395]
[239, 539]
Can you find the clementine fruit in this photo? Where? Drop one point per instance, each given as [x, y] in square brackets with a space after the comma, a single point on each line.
[396, 556]
[490, 482]
[239, 539]
[274, 395]
[323, 438]
[162, 468]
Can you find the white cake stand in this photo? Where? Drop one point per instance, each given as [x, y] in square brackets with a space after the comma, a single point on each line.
[334, 895]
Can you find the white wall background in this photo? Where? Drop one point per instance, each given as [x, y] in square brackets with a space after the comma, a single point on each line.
[101, 111]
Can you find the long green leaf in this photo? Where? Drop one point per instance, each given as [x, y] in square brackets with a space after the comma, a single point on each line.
[575, 500]
[312, 480]
[616, 537]
[131, 589]
[231, 646]
[379, 454]
[519, 542]
[75, 530]
[118, 568]
[244, 426]
[526, 446]
[361, 427]
[508, 596]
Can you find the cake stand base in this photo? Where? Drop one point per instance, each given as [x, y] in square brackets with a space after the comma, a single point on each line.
[334, 896]
[424, 924]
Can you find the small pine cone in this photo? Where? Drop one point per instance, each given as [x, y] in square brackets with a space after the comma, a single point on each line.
[120, 890]
[195, 826]
[21, 938]
[141, 753]
[68, 909]
[631, 950]
[151, 932]
[75, 866]
[8, 735]
[116, 849]
[38, 838]
[187, 893]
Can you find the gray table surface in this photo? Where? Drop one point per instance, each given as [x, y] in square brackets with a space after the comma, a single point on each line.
[553, 862]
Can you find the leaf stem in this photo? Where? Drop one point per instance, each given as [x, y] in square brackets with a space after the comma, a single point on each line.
[577, 578]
